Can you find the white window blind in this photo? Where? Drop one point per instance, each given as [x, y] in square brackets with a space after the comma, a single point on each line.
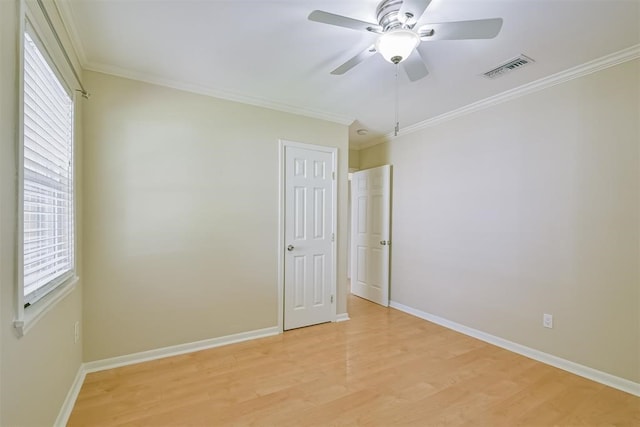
[48, 220]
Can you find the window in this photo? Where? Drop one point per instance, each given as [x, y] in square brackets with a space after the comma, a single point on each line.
[47, 176]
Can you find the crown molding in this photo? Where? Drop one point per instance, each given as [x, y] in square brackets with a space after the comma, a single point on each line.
[66, 16]
[590, 67]
[217, 93]
[66, 13]
[628, 54]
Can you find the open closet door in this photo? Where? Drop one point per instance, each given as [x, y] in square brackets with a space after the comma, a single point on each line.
[370, 228]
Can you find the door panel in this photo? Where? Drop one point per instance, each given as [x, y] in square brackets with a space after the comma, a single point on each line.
[299, 276]
[371, 204]
[318, 280]
[309, 247]
[318, 213]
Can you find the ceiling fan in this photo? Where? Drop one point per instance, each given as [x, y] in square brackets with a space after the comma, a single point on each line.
[400, 32]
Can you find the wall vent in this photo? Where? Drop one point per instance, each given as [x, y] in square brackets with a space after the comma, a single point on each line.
[511, 65]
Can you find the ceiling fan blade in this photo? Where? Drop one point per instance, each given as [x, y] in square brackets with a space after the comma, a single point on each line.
[414, 66]
[461, 30]
[343, 21]
[411, 10]
[367, 53]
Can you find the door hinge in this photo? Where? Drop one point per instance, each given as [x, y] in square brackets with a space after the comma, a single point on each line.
[333, 175]
[331, 299]
[333, 237]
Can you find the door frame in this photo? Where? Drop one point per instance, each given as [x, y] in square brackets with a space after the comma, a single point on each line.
[283, 144]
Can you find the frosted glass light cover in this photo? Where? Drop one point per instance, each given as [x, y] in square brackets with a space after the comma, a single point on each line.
[397, 43]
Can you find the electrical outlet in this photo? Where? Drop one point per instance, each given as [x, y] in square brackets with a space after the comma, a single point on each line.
[547, 320]
[76, 331]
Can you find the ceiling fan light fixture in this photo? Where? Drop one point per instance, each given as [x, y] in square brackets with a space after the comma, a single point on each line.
[396, 45]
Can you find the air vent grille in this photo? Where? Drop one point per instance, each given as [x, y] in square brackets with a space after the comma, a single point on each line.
[511, 65]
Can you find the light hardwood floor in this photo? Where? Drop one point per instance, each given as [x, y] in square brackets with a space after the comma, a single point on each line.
[382, 368]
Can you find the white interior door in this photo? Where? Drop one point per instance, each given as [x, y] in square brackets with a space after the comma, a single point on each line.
[370, 238]
[309, 236]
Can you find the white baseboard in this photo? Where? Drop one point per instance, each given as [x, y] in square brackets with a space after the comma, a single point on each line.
[342, 317]
[175, 350]
[145, 356]
[567, 365]
[70, 400]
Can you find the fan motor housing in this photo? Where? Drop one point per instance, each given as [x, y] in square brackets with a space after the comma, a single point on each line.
[387, 14]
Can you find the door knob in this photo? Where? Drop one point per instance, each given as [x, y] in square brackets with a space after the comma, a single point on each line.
[290, 248]
[382, 242]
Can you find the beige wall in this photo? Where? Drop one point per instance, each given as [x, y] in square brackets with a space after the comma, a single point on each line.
[37, 370]
[525, 208]
[354, 159]
[181, 204]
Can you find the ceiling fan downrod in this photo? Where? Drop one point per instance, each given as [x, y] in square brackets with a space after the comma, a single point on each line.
[397, 128]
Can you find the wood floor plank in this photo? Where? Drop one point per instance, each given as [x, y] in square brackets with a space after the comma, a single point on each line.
[381, 368]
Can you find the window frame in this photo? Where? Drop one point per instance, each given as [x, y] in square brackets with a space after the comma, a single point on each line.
[26, 317]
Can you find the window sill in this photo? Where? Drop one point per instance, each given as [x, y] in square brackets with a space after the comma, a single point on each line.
[32, 314]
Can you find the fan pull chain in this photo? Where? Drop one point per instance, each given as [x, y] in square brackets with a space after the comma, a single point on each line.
[397, 128]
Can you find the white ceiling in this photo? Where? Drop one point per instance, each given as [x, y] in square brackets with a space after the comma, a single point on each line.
[266, 52]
